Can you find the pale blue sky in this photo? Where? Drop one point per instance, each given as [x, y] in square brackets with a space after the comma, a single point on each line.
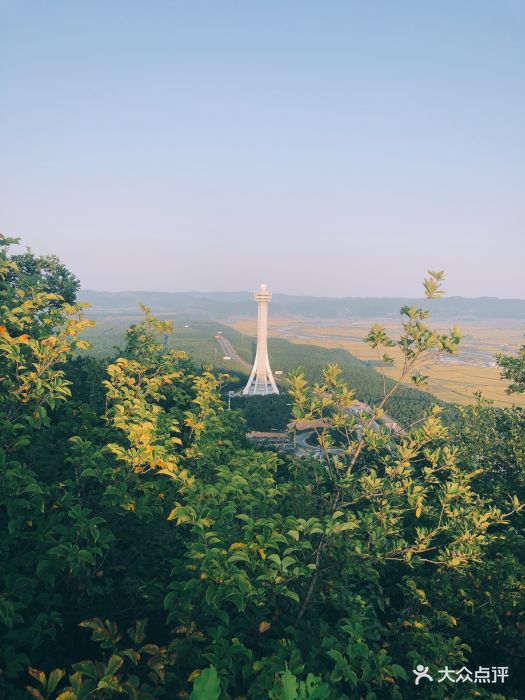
[152, 145]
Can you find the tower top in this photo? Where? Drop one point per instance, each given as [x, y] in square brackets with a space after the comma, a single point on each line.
[263, 294]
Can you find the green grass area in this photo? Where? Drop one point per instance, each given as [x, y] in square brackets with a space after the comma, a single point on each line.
[196, 338]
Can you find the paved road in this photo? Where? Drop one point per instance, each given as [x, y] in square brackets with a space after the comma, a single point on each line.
[229, 351]
[302, 438]
[302, 442]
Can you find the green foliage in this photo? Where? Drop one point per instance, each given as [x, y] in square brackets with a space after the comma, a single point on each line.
[265, 413]
[416, 341]
[43, 273]
[206, 686]
[148, 553]
[288, 688]
[513, 370]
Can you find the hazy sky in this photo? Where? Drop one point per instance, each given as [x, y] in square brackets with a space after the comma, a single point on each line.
[329, 148]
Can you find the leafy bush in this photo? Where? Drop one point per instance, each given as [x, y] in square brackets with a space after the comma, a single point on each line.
[148, 553]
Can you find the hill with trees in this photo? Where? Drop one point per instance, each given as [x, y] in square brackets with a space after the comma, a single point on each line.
[149, 552]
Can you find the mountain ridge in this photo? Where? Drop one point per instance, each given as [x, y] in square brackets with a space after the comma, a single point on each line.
[240, 304]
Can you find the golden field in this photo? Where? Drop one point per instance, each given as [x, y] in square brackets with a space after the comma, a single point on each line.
[451, 378]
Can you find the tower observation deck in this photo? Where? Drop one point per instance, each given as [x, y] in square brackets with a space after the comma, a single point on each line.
[261, 381]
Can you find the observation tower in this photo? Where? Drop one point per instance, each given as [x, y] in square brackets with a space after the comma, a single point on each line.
[261, 381]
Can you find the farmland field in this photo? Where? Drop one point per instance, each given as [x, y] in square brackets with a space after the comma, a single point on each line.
[451, 378]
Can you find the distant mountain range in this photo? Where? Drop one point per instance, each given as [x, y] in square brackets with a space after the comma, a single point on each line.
[224, 305]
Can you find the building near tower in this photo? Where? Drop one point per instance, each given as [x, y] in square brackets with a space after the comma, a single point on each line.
[261, 381]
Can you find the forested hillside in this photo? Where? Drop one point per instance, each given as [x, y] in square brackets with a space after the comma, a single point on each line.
[148, 552]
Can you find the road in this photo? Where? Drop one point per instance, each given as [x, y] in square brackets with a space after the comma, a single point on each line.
[301, 441]
[229, 351]
[302, 438]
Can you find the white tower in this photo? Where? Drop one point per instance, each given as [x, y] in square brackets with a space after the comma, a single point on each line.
[261, 381]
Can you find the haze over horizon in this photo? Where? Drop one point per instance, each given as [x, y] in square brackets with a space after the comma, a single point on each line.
[154, 146]
[277, 293]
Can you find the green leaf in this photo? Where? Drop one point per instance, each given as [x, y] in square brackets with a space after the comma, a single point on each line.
[207, 686]
[86, 668]
[398, 671]
[289, 686]
[291, 594]
[288, 561]
[54, 679]
[85, 555]
[114, 663]
[351, 676]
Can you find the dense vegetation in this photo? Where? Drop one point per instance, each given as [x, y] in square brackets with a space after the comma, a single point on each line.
[265, 412]
[147, 551]
[513, 369]
[196, 337]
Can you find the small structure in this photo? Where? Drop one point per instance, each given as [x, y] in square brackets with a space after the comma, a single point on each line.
[271, 439]
[261, 381]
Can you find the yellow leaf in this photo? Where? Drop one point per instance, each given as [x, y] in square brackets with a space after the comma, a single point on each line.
[418, 511]
[453, 620]
[264, 627]
[236, 545]
[39, 675]
[183, 519]
[262, 553]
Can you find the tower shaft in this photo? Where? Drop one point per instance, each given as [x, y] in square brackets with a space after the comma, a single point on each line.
[261, 381]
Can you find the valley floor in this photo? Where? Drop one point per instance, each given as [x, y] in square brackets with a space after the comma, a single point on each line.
[451, 378]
